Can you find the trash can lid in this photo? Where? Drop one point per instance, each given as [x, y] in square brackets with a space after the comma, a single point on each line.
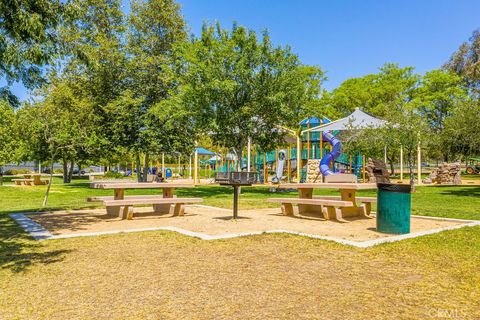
[392, 187]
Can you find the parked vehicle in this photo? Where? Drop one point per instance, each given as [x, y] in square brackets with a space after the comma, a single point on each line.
[473, 166]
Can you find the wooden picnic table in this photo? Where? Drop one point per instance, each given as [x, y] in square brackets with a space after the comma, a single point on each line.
[120, 187]
[37, 178]
[347, 193]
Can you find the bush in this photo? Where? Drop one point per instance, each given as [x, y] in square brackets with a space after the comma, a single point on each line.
[113, 175]
[58, 171]
[13, 172]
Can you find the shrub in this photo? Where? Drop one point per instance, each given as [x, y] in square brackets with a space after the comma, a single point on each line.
[16, 171]
[113, 175]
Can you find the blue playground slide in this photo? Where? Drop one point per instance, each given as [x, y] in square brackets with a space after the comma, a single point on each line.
[331, 156]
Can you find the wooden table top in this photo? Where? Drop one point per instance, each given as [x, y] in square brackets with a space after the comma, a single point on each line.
[338, 185]
[137, 185]
[34, 174]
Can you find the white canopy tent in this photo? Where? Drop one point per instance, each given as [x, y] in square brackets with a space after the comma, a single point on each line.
[357, 120]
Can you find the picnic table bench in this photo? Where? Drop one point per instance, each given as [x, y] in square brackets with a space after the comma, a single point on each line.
[121, 206]
[331, 209]
[31, 179]
[19, 182]
[337, 208]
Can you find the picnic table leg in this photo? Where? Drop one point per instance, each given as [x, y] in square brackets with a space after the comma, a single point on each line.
[354, 211]
[118, 194]
[334, 213]
[178, 209]
[287, 209]
[164, 208]
[37, 181]
[305, 193]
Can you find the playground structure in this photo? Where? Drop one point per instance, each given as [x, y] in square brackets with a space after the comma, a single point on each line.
[312, 155]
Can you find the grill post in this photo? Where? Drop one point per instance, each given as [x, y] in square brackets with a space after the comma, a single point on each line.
[235, 201]
[236, 180]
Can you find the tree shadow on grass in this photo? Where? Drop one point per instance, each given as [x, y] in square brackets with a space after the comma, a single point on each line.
[464, 191]
[18, 251]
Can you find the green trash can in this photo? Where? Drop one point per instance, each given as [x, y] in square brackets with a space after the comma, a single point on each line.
[393, 208]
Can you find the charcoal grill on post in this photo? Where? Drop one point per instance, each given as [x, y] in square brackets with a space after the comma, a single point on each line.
[236, 180]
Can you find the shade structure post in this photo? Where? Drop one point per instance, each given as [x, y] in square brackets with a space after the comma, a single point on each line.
[363, 168]
[401, 163]
[249, 147]
[419, 164]
[179, 165]
[163, 166]
[253, 159]
[288, 159]
[195, 170]
[265, 171]
[321, 144]
[299, 157]
[308, 143]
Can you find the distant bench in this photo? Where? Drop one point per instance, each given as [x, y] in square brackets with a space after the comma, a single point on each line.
[124, 207]
[19, 182]
[330, 208]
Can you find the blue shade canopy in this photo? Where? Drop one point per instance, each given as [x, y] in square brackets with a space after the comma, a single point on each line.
[205, 152]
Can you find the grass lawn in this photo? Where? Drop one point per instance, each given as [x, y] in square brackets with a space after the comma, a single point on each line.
[166, 275]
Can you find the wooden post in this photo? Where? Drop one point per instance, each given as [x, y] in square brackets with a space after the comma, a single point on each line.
[216, 161]
[287, 158]
[401, 163]
[308, 143]
[321, 144]
[163, 166]
[195, 170]
[385, 154]
[133, 168]
[419, 164]
[363, 168]
[265, 171]
[179, 165]
[249, 147]
[299, 158]
[253, 159]
[276, 160]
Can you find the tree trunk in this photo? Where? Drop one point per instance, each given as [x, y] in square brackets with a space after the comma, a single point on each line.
[70, 170]
[239, 157]
[45, 199]
[65, 170]
[412, 175]
[145, 168]
[138, 165]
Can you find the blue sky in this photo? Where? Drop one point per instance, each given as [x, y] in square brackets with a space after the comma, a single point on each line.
[348, 38]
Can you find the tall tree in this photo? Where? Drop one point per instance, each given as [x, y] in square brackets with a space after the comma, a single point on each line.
[28, 40]
[466, 63]
[154, 122]
[437, 97]
[7, 135]
[241, 86]
[378, 94]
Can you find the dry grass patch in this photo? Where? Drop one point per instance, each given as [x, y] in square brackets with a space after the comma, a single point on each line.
[164, 275]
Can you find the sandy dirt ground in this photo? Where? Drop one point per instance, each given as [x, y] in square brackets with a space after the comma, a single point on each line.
[218, 221]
